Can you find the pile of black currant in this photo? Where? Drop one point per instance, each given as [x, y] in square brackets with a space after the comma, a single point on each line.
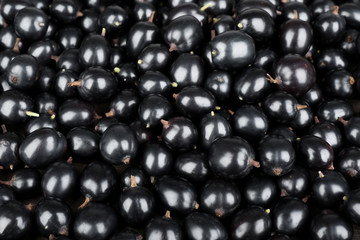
[179, 119]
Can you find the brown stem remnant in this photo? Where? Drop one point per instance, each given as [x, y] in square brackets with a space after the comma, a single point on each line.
[352, 80]
[3, 127]
[335, 10]
[254, 163]
[127, 161]
[343, 121]
[296, 15]
[75, 84]
[85, 203]
[273, 80]
[300, 106]
[151, 18]
[55, 58]
[133, 181]
[277, 171]
[316, 119]
[173, 47]
[70, 160]
[164, 123]
[110, 114]
[16, 45]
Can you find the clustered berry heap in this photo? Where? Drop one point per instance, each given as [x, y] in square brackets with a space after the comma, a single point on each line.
[179, 119]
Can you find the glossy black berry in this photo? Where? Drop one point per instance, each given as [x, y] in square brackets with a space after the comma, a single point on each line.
[136, 204]
[176, 195]
[42, 147]
[53, 217]
[245, 222]
[231, 157]
[260, 191]
[203, 226]
[276, 155]
[179, 133]
[96, 214]
[225, 198]
[59, 181]
[118, 144]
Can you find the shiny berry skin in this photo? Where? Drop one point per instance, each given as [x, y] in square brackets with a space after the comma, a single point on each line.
[97, 182]
[351, 203]
[76, 113]
[17, 220]
[154, 82]
[329, 189]
[333, 109]
[183, 34]
[331, 226]
[118, 144]
[176, 195]
[141, 178]
[296, 183]
[9, 150]
[225, 197]
[294, 74]
[329, 132]
[59, 180]
[219, 83]
[136, 205]
[339, 84]
[94, 51]
[124, 105]
[43, 121]
[42, 147]
[315, 153]
[22, 72]
[163, 227]
[64, 11]
[212, 127]
[53, 217]
[96, 214]
[25, 182]
[157, 159]
[195, 101]
[329, 27]
[192, 166]
[259, 191]
[96, 85]
[295, 37]
[257, 23]
[6, 194]
[152, 109]
[114, 18]
[348, 163]
[244, 224]
[276, 155]
[351, 131]
[31, 24]
[291, 216]
[281, 106]
[223, 49]
[231, 157]
[250, 123]
[251, 84]
[179, 133]
[153, 57]
[203, 226]
[83, 142]
[187, 70]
